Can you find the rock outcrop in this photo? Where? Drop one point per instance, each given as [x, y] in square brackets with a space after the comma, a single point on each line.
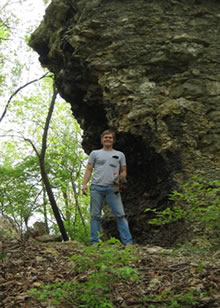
[8, 229]
[151, 71]
[39, 229]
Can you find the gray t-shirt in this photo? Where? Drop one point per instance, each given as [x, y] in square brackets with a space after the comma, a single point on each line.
[107, 165]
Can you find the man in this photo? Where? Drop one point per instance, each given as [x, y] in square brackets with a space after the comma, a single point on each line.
[107, 164]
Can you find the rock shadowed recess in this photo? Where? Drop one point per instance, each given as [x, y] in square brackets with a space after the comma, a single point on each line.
[151, 71]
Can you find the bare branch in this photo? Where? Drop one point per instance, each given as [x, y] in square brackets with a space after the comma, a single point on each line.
[18, 90]
[20, 135]
[4, 23]
[33, 146]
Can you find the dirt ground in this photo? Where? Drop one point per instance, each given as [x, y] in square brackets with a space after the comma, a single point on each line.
[26, 265]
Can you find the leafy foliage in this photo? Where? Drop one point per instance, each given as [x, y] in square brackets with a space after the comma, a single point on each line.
[4, 35]
[19, 190]
[198, 203]
[180, 300]
[64, 163]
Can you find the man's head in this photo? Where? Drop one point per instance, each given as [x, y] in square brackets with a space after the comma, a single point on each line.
[108, 136]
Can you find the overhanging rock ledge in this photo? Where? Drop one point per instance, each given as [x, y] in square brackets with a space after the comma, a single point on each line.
[151, 71]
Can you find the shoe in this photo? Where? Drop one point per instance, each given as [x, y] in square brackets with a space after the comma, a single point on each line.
[129, 246]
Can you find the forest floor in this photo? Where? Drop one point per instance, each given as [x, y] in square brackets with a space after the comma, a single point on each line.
[167, 277]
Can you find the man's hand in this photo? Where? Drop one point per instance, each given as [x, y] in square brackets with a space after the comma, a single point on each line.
[85, 189]
[120, 183]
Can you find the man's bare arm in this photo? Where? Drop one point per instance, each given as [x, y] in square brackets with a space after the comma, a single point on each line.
[86, 179]
[123, 171]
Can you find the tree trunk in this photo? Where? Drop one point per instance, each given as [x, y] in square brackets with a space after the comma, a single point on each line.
[45, 208]
[53, 201]
[44, 172]
[78, 207]
[45, 179]
[67, 208]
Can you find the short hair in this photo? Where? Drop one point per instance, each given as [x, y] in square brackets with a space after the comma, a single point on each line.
[108, 132]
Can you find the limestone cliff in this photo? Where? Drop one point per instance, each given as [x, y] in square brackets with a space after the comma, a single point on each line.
[150, 69]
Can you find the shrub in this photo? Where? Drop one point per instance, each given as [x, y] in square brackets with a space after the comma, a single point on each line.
[198, 203]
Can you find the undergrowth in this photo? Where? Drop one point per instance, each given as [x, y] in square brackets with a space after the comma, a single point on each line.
[197, 203]
[167, 299]
[95, 269]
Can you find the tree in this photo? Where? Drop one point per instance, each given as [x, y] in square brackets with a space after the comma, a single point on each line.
[45, 178]
[24, 119]
[66, 161]
[64, 158]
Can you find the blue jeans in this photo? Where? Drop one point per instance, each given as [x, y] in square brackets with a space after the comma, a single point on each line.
[98, 194]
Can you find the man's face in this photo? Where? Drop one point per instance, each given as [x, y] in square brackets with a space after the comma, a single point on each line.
[107, 140]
